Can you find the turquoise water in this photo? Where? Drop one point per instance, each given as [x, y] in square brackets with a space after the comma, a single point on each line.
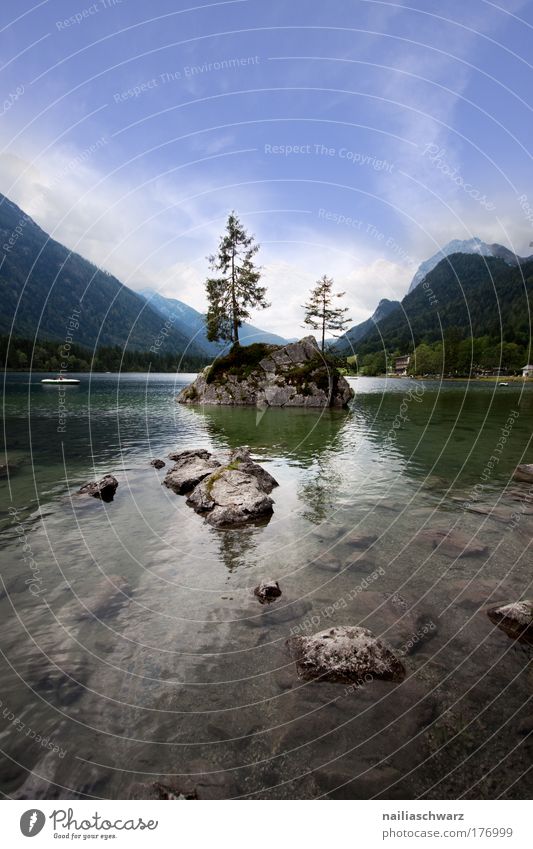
[181, 677]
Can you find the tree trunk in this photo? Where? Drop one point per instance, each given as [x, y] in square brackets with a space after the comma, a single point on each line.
[234, 301]
[323, 322]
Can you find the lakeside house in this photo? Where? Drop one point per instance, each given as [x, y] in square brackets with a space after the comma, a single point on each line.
[527, 371]
[401, 364]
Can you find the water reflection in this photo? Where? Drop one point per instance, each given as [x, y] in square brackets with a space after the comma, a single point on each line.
[296, 434]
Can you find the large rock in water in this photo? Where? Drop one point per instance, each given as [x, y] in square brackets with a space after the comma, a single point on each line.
[228, 491]
[234, 494]
[294, 375]
[345, 654]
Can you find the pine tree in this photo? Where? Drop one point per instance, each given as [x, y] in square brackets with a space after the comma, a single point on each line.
[320, 313]
[232, 294]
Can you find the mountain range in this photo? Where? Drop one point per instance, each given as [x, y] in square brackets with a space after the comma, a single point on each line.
[43, 283]
[463, 246]
[464, 298]
[473, 295]
[477, 288]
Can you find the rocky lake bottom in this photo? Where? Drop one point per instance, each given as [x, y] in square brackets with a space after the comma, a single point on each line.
[136, 661]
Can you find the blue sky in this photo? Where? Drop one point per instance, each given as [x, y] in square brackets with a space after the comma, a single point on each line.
[352, 137]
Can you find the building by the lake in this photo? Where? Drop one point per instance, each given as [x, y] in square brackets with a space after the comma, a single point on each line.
[527, 371]
[401, 364]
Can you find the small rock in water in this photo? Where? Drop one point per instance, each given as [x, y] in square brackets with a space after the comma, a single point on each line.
[524, 472]
[346, 654]
[267, 591]
[158, 464]
[104, 489]
[515, 620]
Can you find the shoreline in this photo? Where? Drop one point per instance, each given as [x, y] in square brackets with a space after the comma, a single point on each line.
[488, 379]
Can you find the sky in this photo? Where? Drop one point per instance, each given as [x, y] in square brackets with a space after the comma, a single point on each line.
[354, 138]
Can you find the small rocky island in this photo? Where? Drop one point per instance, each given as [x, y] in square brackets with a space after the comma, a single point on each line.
[293, 375]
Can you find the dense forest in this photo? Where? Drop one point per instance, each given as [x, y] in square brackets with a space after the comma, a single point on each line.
[454, 356]
[24, 354]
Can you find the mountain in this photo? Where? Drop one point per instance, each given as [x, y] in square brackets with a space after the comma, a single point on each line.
[346, 343]
[49, 292]
[467, 246]
[191, 323]
[475, 295]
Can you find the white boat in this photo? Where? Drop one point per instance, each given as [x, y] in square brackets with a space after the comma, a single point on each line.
[70, 381]
[502, 383]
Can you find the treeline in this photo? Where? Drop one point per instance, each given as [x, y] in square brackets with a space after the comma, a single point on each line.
[453, 357]
[43, 355]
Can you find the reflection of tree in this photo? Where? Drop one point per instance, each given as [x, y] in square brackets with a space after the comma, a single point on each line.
[276, 432]
[319, 490]
[237, 545]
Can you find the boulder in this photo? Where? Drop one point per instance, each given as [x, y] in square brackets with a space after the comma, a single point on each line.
[104, 489]
[515, 620]
[235, 493]
[453, 543]
[230, 497]
[345, 654]
[267, 591]
[158, 464]
[524, 472]
[293, 375]
[190, 468]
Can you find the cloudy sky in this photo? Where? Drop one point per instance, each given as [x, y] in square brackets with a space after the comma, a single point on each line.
[353, 137]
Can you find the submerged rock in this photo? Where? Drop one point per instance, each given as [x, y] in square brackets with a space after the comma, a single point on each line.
[346, 654]
[106, 601]
[9, 468]
[158, 464]
[60, 678]
[453, 543]
[277, 615]
[515, 620]
[524, 472]
[360, 540]
[293, 375]
[267, 591]
[235, 493]
[104, 489]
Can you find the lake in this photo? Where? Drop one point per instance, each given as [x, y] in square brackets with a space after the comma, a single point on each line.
[135, 657]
